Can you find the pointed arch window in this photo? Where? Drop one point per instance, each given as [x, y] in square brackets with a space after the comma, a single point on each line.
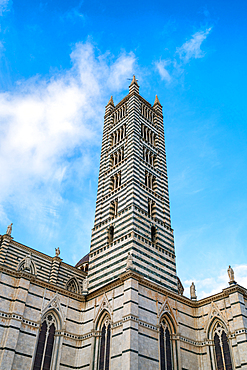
[222, 349]
[45, 344]
[165, 347]
[73, 286]
[105, 343]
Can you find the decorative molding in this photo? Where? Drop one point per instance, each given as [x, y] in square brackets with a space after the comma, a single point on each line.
[166, 309]
[215, 313]
[104, 306]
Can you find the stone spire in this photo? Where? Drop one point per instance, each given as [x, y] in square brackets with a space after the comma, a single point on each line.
[134, 87]
[110, 102]
[110, 106]
[157, 101]
[157, 106]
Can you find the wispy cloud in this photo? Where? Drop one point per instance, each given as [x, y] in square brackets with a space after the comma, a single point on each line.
[161, 66]
[191, 49]
[45, 122]
[213, 285]
[4, 6]
[74, 13]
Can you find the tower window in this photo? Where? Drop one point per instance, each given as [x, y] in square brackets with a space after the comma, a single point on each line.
[117, 157]
[149, 180]
[111, 234]
[153, 234]
[148, 156]
[116, 181]
[114, 208]
[118, 135]
[151, 207]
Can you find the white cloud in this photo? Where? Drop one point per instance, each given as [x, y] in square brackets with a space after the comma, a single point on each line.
[43, 123]
[192, 48]
[189, 50]
[161, 67]
[4, 6]
[214, 285]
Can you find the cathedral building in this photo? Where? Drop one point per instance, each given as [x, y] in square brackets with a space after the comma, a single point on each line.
[122, 305]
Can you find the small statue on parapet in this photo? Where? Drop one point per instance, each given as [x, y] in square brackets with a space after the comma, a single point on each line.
[57, 251]
[193, 291]
[231, 275]
[9, 229]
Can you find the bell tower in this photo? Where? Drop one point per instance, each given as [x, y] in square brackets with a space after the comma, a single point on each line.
[132, 217]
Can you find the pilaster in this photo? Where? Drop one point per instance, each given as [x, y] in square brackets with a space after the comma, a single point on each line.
[130, 325]
[12, 329]
[6, 239]
[56, 261]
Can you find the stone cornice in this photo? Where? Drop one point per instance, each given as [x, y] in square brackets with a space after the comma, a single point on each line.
[224, 294]
[37, 281]
[45, 256]
[166, 292]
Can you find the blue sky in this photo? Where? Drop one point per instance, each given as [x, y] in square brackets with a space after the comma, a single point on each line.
[59, 63]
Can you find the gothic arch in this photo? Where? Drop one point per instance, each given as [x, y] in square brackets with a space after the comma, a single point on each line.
[104, 316]
[54, 306]
[103, 340]
[48, 344]
[166, 312]
[220, 350]
[168, 319]
[214, 315]
[104, 309]
[213, 323]
[167, 344]
[27, 265]
[73, 285]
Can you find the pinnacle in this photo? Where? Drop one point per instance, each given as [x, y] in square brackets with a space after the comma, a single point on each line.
[111, 101]
[157, 100]
[134, 81]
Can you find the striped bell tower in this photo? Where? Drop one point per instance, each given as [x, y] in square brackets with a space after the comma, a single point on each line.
[132, 228]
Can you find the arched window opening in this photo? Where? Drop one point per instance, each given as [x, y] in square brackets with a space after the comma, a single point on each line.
[114, 208]
[72, 286]
[153, 234]
[105, 343]
[45, 344]
[165, 347]
[111, 234]
[222, 349]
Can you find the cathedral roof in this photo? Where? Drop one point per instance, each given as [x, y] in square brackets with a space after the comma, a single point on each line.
[83, 260]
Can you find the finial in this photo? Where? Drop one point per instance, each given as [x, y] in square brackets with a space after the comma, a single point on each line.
[134, 81]
[156, 100]
[111, 101]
